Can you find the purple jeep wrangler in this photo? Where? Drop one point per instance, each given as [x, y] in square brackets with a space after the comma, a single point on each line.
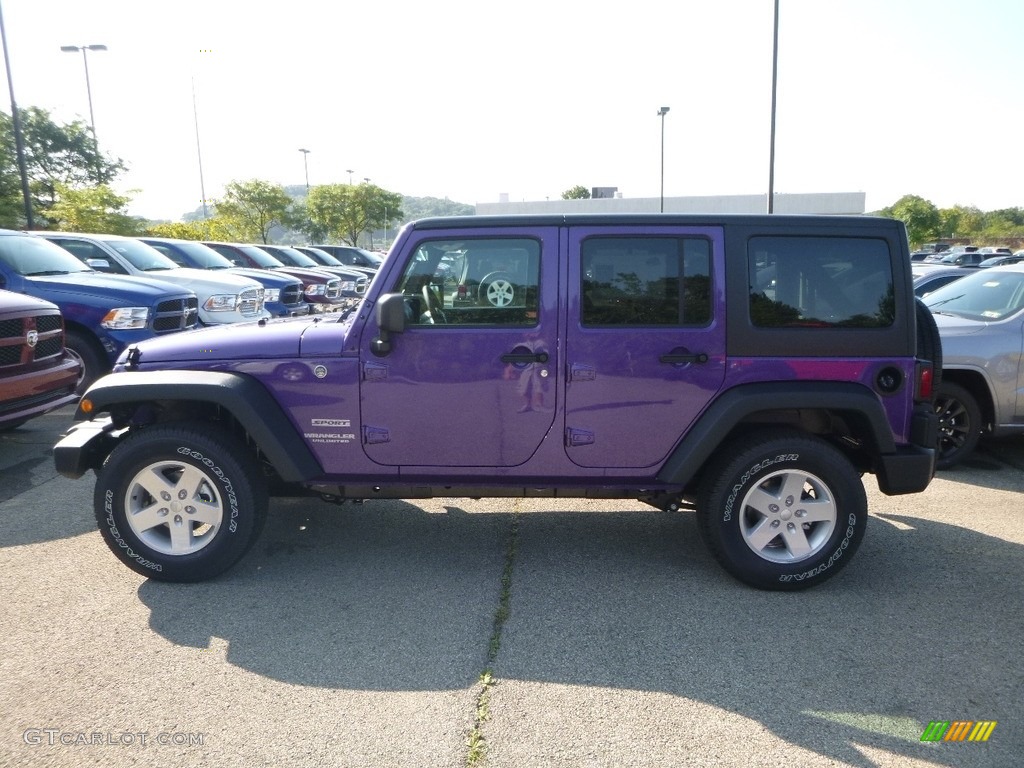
[750, 368]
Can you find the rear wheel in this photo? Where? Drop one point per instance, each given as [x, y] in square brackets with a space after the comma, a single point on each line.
[180, 502]
[959, 424]
[782, 511]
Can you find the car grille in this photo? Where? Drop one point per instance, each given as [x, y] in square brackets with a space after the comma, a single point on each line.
[361, 285]
[292, 295]
[14, 347]
[333, 289]
[250, 302]
[176, 315]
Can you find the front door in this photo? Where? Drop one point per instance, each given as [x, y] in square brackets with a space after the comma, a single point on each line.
[471, 381]
[645, 340]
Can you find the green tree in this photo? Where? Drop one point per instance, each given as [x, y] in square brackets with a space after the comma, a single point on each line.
[93, 209]
[1003, 225]
[55, 156]
[960, 221]
[345, 211]
[249, 209]
[579, 192]
[920, 215]
[203, 229]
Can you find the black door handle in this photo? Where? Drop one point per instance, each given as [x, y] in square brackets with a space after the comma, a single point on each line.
[538, 357]
[673, 359]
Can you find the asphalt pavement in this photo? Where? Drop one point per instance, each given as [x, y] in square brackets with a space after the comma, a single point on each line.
[357, 635]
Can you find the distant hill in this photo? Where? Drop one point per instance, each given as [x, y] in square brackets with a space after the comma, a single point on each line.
[422, 207]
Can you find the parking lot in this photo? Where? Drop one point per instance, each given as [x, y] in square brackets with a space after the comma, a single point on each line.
[357, 636]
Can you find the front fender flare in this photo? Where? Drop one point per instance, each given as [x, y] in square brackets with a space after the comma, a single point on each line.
[241, 395]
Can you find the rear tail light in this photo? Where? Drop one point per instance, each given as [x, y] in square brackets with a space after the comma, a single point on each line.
[925, 376]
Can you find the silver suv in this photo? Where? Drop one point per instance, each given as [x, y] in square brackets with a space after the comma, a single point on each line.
[981, 322]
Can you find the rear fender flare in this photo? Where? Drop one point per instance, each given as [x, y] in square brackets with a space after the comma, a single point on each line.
[712, 428]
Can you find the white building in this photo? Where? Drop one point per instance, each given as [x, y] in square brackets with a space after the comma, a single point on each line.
[841, 203]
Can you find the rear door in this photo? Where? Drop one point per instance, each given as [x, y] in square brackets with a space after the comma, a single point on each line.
[645, 340]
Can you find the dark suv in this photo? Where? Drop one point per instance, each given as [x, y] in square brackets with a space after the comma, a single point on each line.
[37, 374]
[748, 368]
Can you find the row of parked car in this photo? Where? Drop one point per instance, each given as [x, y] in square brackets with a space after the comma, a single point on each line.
[978, 304]
[71, 303]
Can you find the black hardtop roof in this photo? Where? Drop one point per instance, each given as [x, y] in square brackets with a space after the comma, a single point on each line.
[655, 219]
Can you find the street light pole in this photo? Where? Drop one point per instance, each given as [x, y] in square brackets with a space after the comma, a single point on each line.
[199, 151]
[662, 112]
[775, 78]
[305, 165]
[349, 171]
[88, 90]
[19, 141]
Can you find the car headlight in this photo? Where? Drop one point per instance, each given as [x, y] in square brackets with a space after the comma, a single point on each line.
[126, 317]
[315, 289]
[223, 302]
[348, 286]
[271, 295]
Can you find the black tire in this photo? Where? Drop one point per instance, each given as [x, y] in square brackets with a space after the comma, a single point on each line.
[197, 464]
[959, 424]
[737, 516]
[94, 363]
[929, 343]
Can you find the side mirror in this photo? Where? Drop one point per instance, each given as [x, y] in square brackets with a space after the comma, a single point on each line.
[390, 311]
[100, 265]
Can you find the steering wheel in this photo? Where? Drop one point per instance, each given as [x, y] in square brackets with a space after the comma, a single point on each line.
[434, 308]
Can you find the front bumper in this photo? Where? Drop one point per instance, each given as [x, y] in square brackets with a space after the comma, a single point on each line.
[84, 446]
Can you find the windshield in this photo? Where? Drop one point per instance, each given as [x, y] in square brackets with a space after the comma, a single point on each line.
[202, 256]
[373, 258]
[29, 255]
[323, 257]
[296, 258]
[261, 257]
[141, 256]
[989, 295]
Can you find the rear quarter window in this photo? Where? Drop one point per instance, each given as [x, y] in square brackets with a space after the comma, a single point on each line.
[820, 282]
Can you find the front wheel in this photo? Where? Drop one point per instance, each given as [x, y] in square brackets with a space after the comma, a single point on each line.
[89, 356]
[180, 502]
[782, 511]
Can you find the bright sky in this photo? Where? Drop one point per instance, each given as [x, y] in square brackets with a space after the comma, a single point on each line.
[468, 100]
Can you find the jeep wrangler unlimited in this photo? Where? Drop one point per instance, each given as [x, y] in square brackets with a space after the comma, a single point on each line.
[750, 368]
